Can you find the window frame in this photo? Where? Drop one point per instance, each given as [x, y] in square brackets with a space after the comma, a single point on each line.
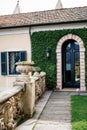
[23, 57]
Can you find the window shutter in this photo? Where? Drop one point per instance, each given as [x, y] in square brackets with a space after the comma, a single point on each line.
[4, 63]
[23, 55]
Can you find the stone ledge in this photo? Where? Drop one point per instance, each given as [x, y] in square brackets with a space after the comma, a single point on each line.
[4, 95]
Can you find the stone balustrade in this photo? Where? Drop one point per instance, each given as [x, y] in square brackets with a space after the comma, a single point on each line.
[11, 107]
[40, 84]
[19, 102]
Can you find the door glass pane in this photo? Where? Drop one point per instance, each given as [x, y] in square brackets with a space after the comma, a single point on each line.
[76, 45]
[77, 67]
[68, 47]
[68, 66]
[68, 61]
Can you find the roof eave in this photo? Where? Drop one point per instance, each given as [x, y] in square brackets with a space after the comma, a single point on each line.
[42, 24]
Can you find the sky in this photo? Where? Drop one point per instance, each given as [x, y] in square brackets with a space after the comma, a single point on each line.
[8, 6]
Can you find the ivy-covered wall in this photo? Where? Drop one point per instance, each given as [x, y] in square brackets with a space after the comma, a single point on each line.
[43, 39]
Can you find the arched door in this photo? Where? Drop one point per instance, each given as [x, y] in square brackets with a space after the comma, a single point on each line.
[70, 64]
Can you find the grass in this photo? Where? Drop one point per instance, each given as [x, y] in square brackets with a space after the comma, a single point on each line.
[79, 112]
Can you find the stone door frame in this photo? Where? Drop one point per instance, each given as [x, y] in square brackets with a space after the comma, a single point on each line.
[59, 60]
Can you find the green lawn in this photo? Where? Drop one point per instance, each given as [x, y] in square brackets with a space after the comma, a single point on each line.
[79, 112]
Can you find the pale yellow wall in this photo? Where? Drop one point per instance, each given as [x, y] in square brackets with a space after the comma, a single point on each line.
[14, 40]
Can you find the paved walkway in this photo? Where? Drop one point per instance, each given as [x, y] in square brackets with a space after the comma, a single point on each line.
[56, 115]
[29, 124]
[52, 113]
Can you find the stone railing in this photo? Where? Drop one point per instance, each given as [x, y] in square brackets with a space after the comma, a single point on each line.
[26, 91]
[40, 84]
[11, 107]
[39, 78]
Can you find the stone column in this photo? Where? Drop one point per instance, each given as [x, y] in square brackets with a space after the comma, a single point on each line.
[29, 99]
[29, 94]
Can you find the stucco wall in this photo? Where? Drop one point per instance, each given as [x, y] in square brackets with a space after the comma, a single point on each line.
[14, 40]
[59, 27]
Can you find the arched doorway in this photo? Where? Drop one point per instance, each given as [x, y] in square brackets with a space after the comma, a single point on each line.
[60, 70]
[70, 64]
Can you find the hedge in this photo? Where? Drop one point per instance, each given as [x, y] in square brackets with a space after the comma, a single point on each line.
[43, 39]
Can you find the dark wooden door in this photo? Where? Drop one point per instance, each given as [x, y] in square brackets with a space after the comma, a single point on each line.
[70, 64]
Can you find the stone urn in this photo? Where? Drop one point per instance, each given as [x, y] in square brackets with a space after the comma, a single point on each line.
[36, 71]
[24, 67]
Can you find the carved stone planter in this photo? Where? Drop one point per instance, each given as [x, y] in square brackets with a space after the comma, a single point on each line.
[24, 68]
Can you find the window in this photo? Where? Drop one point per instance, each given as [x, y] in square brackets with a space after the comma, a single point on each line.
[8, 60]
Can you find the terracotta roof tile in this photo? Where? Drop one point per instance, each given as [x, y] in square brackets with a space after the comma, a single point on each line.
[45, 17]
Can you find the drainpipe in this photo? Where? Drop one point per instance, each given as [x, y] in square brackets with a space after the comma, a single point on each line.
[30, 43]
